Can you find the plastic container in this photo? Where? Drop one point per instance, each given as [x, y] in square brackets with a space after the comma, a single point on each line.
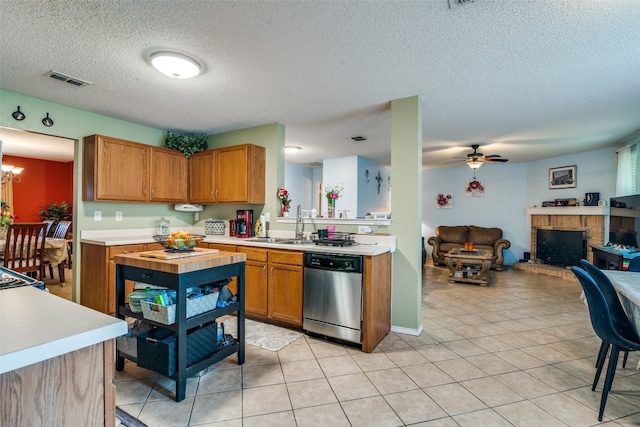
[135, 298]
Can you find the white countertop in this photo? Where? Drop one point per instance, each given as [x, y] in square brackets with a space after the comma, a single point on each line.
[36, 326]
[366, 244]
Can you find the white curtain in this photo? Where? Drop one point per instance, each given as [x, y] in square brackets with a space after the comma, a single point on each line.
[626, 182]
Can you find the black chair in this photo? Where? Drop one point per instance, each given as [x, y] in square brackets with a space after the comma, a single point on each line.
[634, 264]
[605, 323]
[613, 301]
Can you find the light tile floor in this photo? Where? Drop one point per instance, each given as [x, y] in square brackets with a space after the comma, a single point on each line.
[520, 352]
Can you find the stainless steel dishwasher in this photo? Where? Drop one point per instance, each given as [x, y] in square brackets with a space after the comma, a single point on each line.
[333, 296]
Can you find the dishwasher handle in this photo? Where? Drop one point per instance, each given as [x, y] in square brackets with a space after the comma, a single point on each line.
[333, 262]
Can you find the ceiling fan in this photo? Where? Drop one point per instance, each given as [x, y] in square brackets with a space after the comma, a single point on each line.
[476, 159]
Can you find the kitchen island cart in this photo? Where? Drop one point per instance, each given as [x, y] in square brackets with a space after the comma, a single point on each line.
[179, 274]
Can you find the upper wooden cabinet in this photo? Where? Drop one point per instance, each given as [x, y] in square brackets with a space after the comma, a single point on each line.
[228, 175]
[202, 177]
[167, 176]
[115, 169]
[119, 170]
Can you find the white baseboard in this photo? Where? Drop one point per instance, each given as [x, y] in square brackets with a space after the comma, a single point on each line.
[406, 331]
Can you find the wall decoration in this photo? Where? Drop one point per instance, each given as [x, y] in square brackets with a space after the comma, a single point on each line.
[366, 175]
[379, 179]
[444, 201]
[474, 188]
[562, 177]
[389, 183]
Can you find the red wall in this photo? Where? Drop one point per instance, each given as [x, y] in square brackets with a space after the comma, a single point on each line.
[43, 182]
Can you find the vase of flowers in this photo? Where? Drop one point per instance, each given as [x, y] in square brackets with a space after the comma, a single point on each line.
[283, 195]
[332, 193]
[5, 219]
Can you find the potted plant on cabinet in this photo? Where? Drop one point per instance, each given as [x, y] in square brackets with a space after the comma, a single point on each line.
[188, 144]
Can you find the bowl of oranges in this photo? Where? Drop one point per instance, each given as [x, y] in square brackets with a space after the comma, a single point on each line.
[179, 241]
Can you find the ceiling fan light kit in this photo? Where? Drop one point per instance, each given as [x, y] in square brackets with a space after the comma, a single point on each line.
[175, 64]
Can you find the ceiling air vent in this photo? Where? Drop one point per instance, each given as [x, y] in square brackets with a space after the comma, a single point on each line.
[358, 138]
[67, 79]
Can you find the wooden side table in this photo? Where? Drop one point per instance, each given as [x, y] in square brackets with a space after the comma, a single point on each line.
[469, 266]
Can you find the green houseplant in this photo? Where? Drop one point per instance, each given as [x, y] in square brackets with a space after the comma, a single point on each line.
[189, 144]
[56, 213]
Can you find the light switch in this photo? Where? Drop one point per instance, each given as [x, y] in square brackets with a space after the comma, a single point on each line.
[97, 215]
[118, 215]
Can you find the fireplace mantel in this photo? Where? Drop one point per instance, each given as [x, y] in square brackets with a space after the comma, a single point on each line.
[585, 210]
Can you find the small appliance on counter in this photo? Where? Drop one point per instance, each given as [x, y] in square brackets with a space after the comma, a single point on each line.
[214, 227]
[244, 223]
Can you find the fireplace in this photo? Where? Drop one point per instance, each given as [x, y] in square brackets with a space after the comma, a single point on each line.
[561, 247]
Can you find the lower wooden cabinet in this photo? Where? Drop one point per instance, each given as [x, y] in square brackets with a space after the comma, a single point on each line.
[98, 274]
[285, 288]
[274, 285]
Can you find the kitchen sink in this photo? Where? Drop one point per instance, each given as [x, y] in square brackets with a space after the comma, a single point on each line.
[296, 242]
[270, 239]
[280, 240]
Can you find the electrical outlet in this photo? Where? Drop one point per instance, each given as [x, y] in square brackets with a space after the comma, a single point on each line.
[97, 215]
[118, 215]
[363, 229]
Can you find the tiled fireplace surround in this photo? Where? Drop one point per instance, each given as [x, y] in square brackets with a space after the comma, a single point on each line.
[591, 221]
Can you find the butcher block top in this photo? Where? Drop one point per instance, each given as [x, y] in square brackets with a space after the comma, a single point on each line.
[202, 260]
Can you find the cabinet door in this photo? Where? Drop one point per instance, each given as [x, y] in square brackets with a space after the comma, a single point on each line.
[202, 177]
[240, 174]
[111, 282]
[167, 176]
[255, 301]
[120, 169]
[285, 293]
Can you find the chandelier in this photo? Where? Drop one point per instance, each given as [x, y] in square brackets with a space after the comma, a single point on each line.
[11, 173]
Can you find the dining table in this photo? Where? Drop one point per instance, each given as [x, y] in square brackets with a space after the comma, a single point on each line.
[627, 285]
[55, 251]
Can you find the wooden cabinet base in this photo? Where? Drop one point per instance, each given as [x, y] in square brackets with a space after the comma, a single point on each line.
[75, 389]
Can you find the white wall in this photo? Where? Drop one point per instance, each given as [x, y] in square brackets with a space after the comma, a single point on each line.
[298, 180]
[509, 189]
[369, 199]
[596, 173]
[502, 206]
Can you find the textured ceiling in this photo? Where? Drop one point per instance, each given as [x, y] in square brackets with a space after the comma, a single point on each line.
[525, 79]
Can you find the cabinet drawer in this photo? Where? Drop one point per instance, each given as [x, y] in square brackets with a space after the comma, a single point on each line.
[153, 247]
[125, 249]
[222, 247]
[254, 254]
[285, 257]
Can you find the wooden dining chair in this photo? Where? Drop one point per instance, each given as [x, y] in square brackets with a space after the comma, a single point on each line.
[49, 223]
[24, 248]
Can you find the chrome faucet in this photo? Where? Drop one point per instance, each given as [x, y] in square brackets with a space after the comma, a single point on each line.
[299, 233]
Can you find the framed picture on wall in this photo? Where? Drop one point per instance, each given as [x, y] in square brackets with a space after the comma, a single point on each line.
[562, 177]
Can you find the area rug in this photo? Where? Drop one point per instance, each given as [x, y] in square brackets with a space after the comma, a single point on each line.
[263, 335]
[127, 420]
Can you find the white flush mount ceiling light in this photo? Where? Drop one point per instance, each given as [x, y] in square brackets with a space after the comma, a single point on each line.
[291, 149]
[175, 65]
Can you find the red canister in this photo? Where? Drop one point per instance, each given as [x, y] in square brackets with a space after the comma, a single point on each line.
[232, 228]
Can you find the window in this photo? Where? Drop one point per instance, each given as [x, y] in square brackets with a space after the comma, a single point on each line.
[627, 179]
